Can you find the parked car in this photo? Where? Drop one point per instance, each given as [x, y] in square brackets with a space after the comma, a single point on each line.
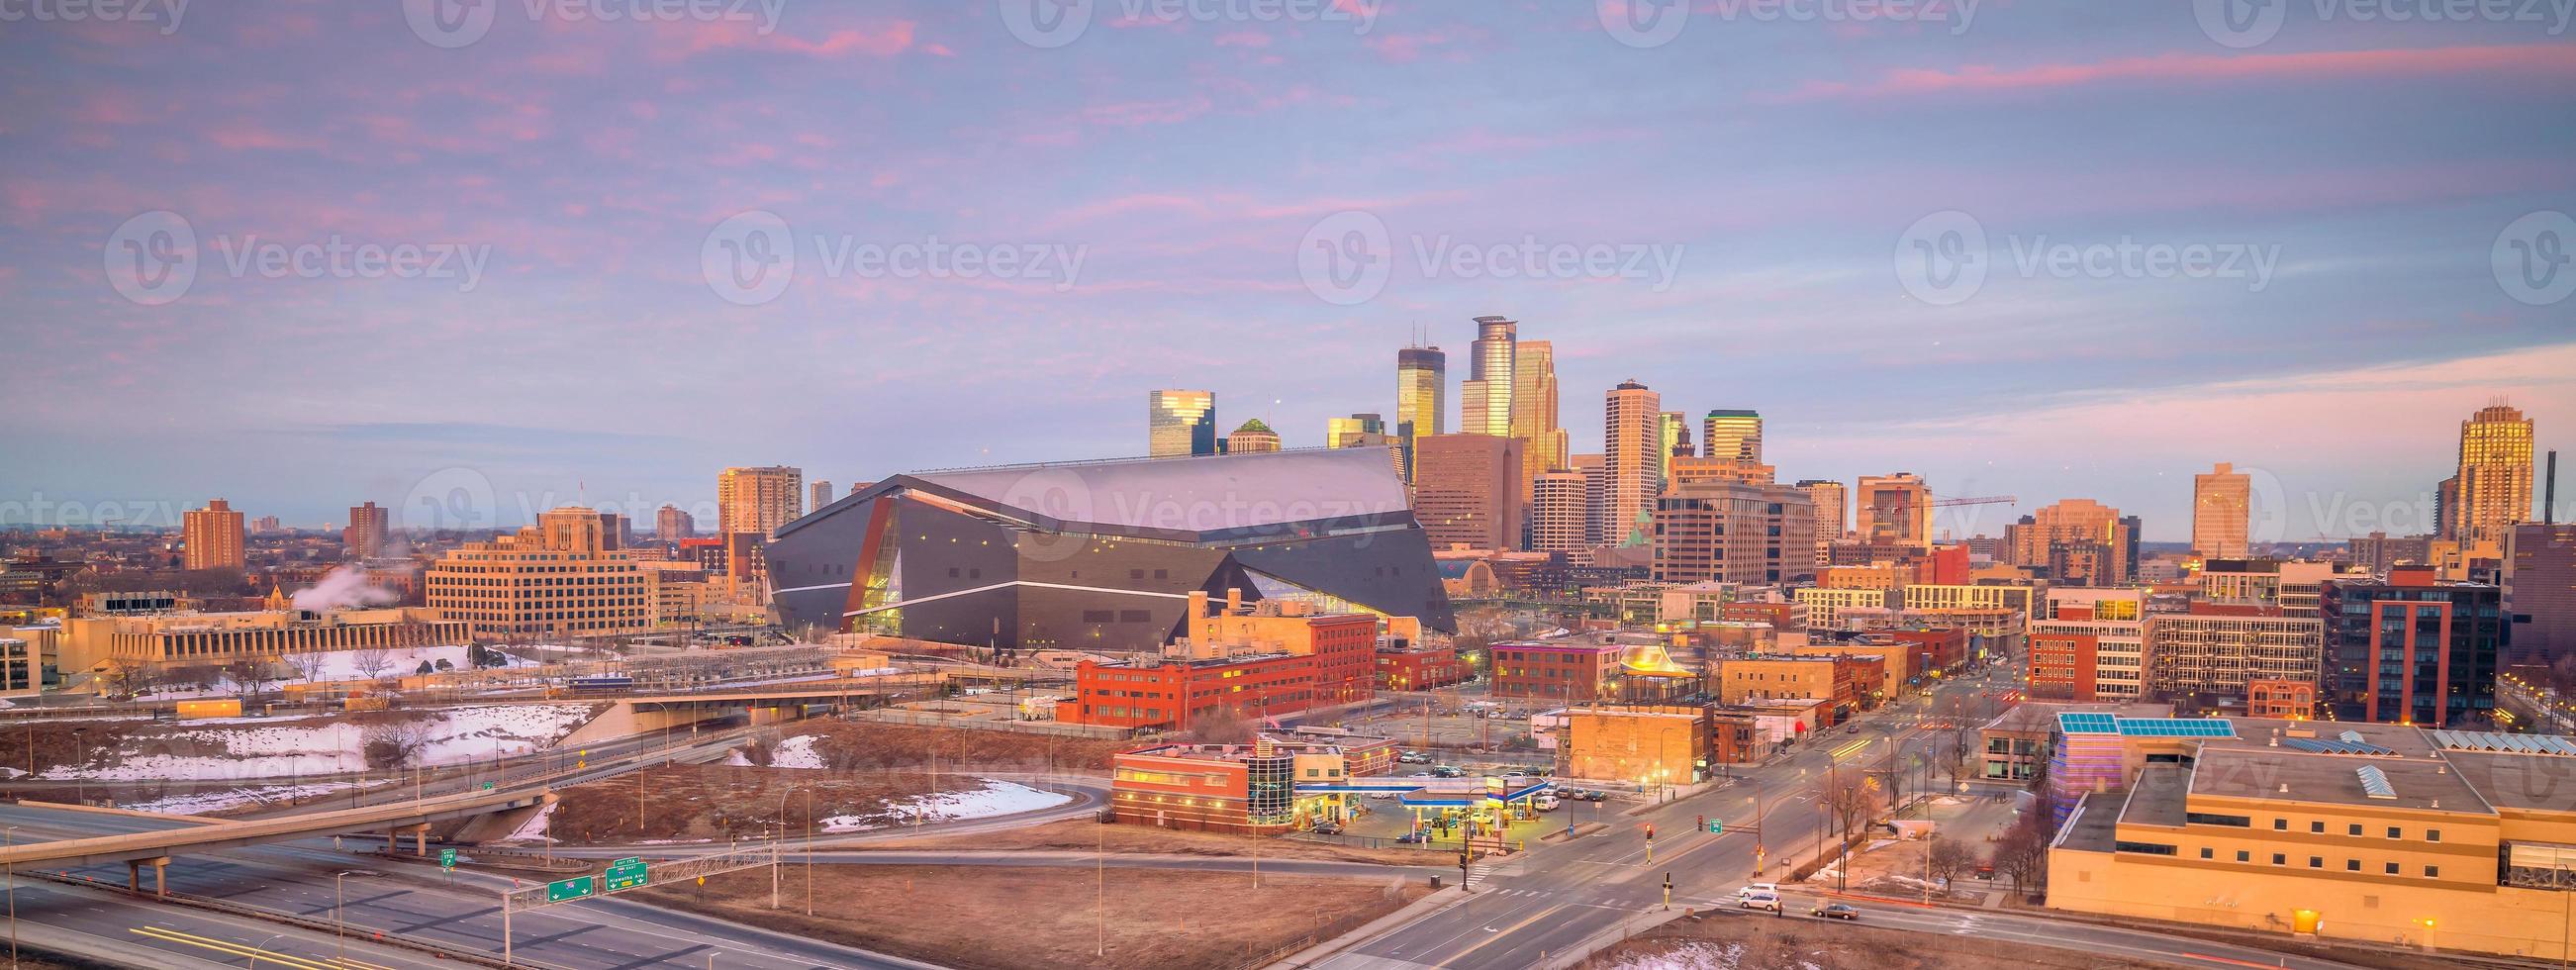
[1750, 889]
[1328, 828]
[1381, 794]
[1413, 838]
[1835, 911]
[1546, 803]
[1449, 771]
[1590, 795]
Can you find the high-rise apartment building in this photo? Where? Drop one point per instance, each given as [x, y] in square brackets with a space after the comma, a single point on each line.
[759, 499]
[1421, 381]
[1467, 490]
[1632, 462]
[821, 491]
[1895, 510]
[1253, 437]
[1485, 397]
[211, 537]
[1830, 501]
[370, 529]
[554, 578]
[1560, 511]
[670, 524]
[1534, 409]
[1729, 532]
[2540, 592]
[2492, 490]
[1180, 422]
[1732, 434]
[2222, 503]
[2413, 649]
[2080, 541]
[1595, 470]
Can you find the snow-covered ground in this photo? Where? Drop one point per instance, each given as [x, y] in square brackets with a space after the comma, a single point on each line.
[334, 665]
[206, 803]
[995, 798]
[237, 748]
[795, 752]
[1693, 956]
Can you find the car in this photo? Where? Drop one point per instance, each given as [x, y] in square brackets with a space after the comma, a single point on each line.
[1596, 796]
[1835, 911]
[1413, 838]
[1854, 729]
[1769, 901]
[1757, 888]
[1327, 828]
[1381, 794]
[1546, 803]
[1449, 771]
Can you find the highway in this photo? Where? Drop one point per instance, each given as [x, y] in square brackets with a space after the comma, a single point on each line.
[1527, 909]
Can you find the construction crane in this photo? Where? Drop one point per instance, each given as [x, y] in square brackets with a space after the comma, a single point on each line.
[1979, 500]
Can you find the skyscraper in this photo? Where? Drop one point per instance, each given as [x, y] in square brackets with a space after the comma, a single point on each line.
[2493, 487]
[2221, 512]
[1254, 437]
[1830, 500]
[368, 529]
[1534, 409]
[1346, 432]
[212, 536]
[1730, 532]
[672, 525]
[1485, 398]
[1180, 422]
[2082, 542]
[1560, 511]
[821, 492]
[1632, 462]
[1672, 440]
[2540, 592]
[1421, 381]
[1469, 490]
[759, 500]
[1735, 435]
[1596, 494]
[2412, 649]
[1895, 510]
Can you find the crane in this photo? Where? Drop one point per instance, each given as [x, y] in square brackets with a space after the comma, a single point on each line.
[1979, 500]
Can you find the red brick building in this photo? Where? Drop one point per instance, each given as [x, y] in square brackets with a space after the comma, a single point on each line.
[1781, 616]
[1556, 671]
[1172, 693]
[1732, 738]
[2062, 666]
[1422, 669]
[1943, 648]
[2292, 700]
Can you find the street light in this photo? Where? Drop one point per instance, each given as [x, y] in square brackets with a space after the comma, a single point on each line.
[339, 922]
[9, 840]
[263, 945]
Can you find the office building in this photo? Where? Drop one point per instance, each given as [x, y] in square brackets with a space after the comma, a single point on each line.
[1485, 397]
[2413, 649]
[1733, 435]
[1826, 608]
[1831, 502]
[1534, 409]
[552, 579]
[2492, 490]
[1101, 555]
[760, 499]
[1467, 490]
[1560, 506]
[94, 643]
[1573, 672]
[211, 537]
[2079, 541]
[1352, 431]
[1632, 462]
[1732, 533]
[1894, 510]
[2380, 551]
[1595, 470]
[2222, 503]
[2290, 586]
[2088, 645]
[670, 524]
[1254, 437]
[2540, 593]
[368, 534]
[1180, 422]
[2447, 842]
[2213, 656]
[1269, 787]
[1653, 744]
[1421, 382]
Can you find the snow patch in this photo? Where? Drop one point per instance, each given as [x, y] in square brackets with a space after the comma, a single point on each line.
[995, 798]
[796, 752]
[1689, 956]
[215, 802]
[323, 745]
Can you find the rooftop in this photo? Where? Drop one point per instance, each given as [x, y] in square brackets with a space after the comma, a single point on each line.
[2279, 774]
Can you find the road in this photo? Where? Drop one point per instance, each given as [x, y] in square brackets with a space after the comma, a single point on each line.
[1524, 910]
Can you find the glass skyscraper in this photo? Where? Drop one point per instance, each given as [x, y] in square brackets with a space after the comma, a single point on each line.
[1179, 423]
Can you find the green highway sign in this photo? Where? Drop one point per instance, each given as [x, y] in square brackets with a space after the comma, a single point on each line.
[625, 874]
[568, 889]
[447, 858]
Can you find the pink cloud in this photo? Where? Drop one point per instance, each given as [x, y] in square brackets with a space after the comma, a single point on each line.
[1132, 114]
[2546, 60]
[688, 40]
[1243, 38]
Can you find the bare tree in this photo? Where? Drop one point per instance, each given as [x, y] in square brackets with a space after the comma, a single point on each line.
[372, 661]
[1849, 800]
[1225, 725]
[2022, 851]
[307, 663]
[389, 745]
[249, 674]
[1949, 857]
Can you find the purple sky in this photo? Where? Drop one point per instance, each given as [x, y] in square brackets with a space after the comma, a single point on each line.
[1754, 187]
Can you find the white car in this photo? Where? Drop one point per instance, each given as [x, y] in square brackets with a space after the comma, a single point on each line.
[1759, 888]
[1769, 901]
[1547, 803]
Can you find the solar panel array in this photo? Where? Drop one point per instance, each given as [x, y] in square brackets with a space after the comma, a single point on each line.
[2089, 723]
[2324, 746]
[2507, 743]
[2374, 782]
[2174, 727]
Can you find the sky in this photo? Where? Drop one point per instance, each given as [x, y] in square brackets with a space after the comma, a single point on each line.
[303, 255]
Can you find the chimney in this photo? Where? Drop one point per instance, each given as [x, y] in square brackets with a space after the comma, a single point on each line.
[1233, 600]
[1198, 604]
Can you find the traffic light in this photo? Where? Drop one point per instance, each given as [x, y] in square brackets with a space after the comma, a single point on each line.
[1650, 831]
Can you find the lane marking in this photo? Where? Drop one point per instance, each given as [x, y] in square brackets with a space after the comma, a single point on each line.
[222, 946]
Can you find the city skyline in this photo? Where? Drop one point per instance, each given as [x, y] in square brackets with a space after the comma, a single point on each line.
[2383, 318]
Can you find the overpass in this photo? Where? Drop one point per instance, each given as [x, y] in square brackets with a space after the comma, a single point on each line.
[153, 848]
[641, 713]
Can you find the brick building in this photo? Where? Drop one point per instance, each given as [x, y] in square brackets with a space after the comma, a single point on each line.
[1171, 694]
[1557, 671]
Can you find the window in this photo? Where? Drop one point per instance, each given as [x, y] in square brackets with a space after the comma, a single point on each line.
[2244, 856]
[2231, 821]
[2395, 832]
[2206, 852]
[2318, 828]
[2316, 862]
[2280, 860]
[2392, 868]
[2353, 830]
[2280, 825]
[2432, 835]
[2352, 865]
[2432, 872]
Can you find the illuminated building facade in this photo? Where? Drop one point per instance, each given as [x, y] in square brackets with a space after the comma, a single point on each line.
[759, 499]
[2221, 512]
[1733, 435]
[2413, 649]
[1421, 389]
[1632, 464]
[1180, 422]
[2492, 490]
[211, 537]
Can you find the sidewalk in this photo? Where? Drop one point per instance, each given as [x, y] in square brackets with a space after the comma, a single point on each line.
[1449, 896]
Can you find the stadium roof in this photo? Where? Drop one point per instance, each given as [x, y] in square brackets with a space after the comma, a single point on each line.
[1182, 498]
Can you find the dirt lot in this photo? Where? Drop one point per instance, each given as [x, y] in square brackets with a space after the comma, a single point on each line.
[1735, 943]
[716, 802]
[1006, 919]
[1087, 836]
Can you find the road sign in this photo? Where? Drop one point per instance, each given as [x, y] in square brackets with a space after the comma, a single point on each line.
[624, 874]
[487, 786]
[568, 889]
[1717, 827]
[447, 858]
